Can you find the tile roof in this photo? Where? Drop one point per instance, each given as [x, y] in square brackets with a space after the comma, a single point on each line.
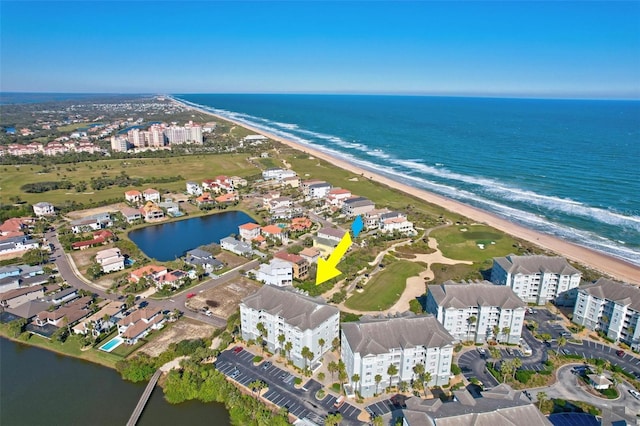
[249, 226]
[374, 336]
[290, 257]
[272, 229]
[463, 295]
[297, 309]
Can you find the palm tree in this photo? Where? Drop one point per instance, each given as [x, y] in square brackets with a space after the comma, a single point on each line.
[378, 379]
[335, 343]
[332, 368]
[263, 334]
[281, 340]
[377, 421]
[506, 368]
[355, 379]
[470, 321]
[517, 363]
[534, 326]
[257, 386]
[496, 331]
[307, 355]
[506, 331]
[321, 343]
[287, 347]
[392, 371]
[418, 370]
[426, 378]
[333, 419]
[342, 373]
[542, 396]
[561, 342]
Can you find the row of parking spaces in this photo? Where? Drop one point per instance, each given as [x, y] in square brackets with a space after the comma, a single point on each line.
[380, 408]
[347, 410]
[533, 367]
[509, 352]
[245, 356]
[232, 371]
[290, 403]
[628, 358]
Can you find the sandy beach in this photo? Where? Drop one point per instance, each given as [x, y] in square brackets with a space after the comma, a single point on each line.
[603, 263]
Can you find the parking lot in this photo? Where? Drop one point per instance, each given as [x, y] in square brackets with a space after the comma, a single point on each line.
[548, 323]
[379, 408]
[282, 392]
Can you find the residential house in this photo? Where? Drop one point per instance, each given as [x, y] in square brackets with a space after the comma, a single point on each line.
[205, 200]
[234, 246]
[535, 279]
[237, 181]
[224, 183]
[277, 272]
[279, 203]
[110, 260]
[174, 278]
[356, 206]
[64, 296]
[395, 222]
[317, 190]
[17, 244]
[133, 196]
[16, 297]
[327, 239]
[99, 237]
[371, 345]
[298, 263]
[275, 233]
[371, 219]
[102, 320]
[151, 211]
[271, 174]
[611, 307]
[91, 223]
[248, 231]
[266, 199]
[193, 188]
[300, 224]
[43, 209]
[151, 194]
[66, 315]
[130, 214]
[203, 258]
[292, 181]
[477, 312]
[303, 320]
[172, 208]
[499, 406]
[310, 254]
[151, 272]
[337, 196]
[228, 198]
[139, 324]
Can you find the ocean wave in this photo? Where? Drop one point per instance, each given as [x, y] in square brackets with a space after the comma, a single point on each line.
[489, 186]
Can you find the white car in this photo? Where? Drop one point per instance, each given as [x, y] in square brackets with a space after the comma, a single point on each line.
[635, 394]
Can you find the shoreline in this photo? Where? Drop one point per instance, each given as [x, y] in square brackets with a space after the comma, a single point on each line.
[601, 262]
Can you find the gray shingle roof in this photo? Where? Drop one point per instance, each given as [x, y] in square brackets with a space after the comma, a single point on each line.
[622, 293]
[484, 293]
[296, 309]
[373, 336]
[358, 202]
[535, 264]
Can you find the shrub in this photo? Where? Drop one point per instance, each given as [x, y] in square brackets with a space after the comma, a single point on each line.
[257, 359]
[455, 369]
[335, 387]
[297, 381]
[523, 376]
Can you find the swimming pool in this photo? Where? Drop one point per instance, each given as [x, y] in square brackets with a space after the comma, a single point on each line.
[112, 344]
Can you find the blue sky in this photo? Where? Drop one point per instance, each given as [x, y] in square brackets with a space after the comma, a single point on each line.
[547, 49]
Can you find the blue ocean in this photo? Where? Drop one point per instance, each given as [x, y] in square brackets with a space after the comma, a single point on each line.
[570, 168]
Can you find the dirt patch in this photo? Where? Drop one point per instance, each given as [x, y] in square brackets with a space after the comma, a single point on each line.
[184, 329]
[224, 300]
[98, 210]
[231, 260]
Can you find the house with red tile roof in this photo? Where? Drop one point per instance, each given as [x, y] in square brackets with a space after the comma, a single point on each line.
[299, 264]
[300, 224]
[274, 232]
[151, 194]
[150, 271]
[133, 196]
[248, 231]
[228, 198]
[205, 199]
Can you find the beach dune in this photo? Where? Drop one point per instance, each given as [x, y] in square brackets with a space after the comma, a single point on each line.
[608, 265]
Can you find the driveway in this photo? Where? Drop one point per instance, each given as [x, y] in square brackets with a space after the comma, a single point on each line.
[473, 365]
[590, 349]
[282, 392]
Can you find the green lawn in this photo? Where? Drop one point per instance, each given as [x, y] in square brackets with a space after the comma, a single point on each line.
[385, 288]
[194, 167]
[461, 242]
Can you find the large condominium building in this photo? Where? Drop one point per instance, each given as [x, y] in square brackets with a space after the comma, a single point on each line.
[477, 311]
[190, 133]
[301, 319]
[535, 279]
[371, 345]
[611, 307]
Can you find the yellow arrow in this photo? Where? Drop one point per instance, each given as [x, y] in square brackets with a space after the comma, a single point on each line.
[327, 268]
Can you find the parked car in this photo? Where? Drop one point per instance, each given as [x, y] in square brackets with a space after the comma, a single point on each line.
[635, 394]
[235, 374]
[237, 350]
[266, 365]
[482, 352]
[190, 295]
[620, 353]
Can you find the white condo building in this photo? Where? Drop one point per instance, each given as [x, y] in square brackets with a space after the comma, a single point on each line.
[495, 311]
[535, 279]
[371, 345]
[611, 307]
[303, 321]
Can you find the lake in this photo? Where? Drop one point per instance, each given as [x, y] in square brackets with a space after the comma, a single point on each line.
[168, 241]
[40, 387]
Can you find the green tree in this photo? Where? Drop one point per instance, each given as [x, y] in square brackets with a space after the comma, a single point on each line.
[335, 344]
[377, 379]
[496, 331]
[392, 371]
[377, 421]
[263, 335]
[130, 300]
[333, 419]
[35, 257]
[94, 271]
[426, 379]
[281, 339]
[342, 373]
[16, 327]
[257, 386]
[356, 380]
[321, 343]
[307, 355]
[332, 367]
[505, 332]
[418, 370]
[517, 363]
[287, 347]
[562, 341]
[470, 321]
[506, 368]
[542, 396]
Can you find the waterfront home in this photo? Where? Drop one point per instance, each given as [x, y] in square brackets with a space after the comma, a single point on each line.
[152, 272]
[277, 272]
[43, 209]
[501, 405]
[356, 206]
[395, 222]
[174, 279]
[102, 320]
[337, 196]
[535, 279]
[203, 258]
[140, 323]
[274, 233]
[16, 297]
[151, 211]
[17, 244]
[370, 346]
[248, 231]
[327, 239]
[228, 198]
[255, 139]
[301, 319]
[110, 260]
[298, 263]
[371, 219]
[29, 309]
[133, 196]
[193, 188]
[611, 307]
[271, 173]
[310, 254]
[292, 181]
[66, 315]
[497, 312]
[151, 194]
[315, 189]
[234, 246]
[131, 214]
[205, 200]
[91, 223]
[172, 208]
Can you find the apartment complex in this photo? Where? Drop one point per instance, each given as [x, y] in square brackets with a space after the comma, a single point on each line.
[301, 319]
[611, 307]
[371, 345]
[477, 311]
[535, 279]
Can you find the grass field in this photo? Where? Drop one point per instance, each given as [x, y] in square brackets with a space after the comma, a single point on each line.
[195, 167]
[465, 242]
[385, 288]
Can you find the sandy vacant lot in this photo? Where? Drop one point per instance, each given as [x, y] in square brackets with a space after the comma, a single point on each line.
[88, 212]
[224, 300]
[184, 329]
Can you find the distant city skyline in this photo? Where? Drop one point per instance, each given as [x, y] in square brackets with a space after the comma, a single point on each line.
[512, 49]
